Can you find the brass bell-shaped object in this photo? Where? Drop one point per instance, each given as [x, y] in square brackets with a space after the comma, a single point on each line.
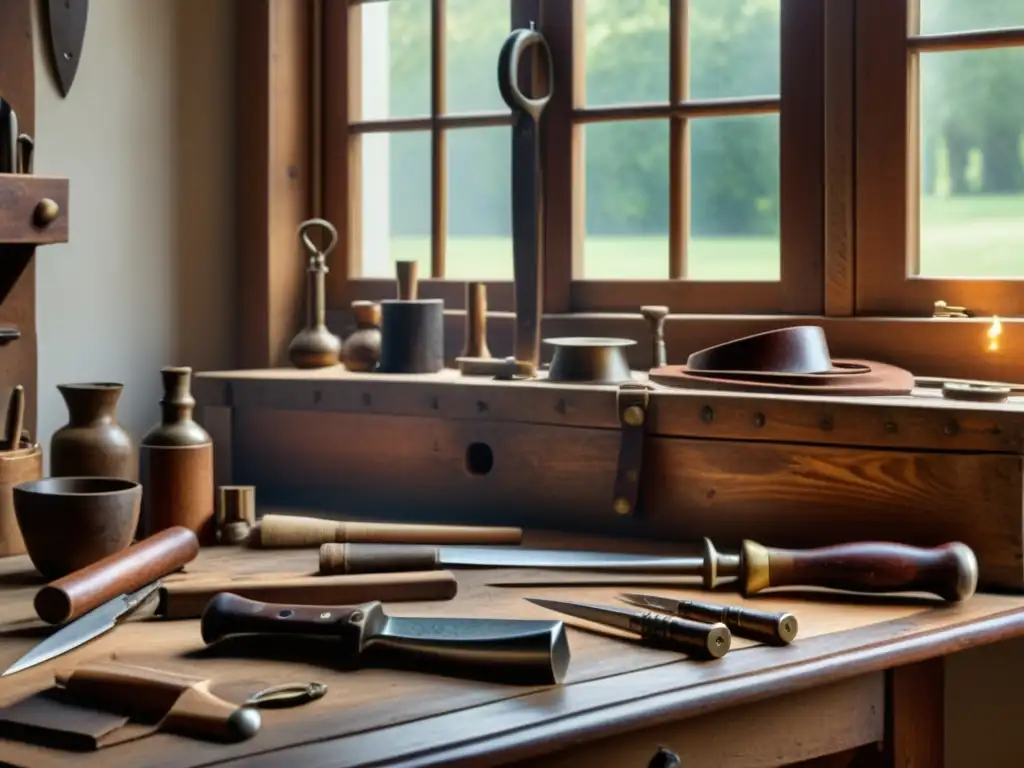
[315, 346]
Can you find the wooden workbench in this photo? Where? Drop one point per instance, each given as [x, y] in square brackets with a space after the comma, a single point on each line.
[862, 672]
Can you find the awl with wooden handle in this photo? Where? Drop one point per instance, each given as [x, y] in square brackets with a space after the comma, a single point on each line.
[281, 531]
[949, 571]
[181, 704]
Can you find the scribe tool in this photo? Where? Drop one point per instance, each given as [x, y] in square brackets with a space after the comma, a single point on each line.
[697, 639]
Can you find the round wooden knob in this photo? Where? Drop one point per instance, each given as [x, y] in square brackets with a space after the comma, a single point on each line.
[46, 212]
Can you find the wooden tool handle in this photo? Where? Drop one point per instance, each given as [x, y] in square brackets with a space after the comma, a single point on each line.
[199, 713]
[140, 564]
[229, 614]
[280, 531]
[401, 533]
[949, 571]
[15, 418]
[181, 703]
[407, 273]
[377, 558]
[185, 600]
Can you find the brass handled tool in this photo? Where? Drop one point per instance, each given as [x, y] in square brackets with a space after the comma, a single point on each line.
[949, 571]
[507, 650]
[701, 640]
[771, 628]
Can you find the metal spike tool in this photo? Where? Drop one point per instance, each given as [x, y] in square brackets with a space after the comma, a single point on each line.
[697, 639]
[765, 627]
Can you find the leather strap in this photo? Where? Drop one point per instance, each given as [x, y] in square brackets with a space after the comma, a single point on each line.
[632, 401]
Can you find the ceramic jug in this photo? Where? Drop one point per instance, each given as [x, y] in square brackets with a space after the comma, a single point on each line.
[92, 443]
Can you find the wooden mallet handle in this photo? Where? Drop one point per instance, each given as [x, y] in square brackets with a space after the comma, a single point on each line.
[126, 571]
[377, 558]
[949, 571]
[280, 531]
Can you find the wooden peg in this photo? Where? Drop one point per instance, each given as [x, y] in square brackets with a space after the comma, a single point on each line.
[655, 317]
[236, 513]
[408, 273]
[476, 323]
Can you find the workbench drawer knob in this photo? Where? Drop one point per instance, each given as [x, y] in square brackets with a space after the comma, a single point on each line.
[665, 758]
[46, 212]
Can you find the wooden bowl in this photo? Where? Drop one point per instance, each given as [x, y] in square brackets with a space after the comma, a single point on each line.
[71, 522]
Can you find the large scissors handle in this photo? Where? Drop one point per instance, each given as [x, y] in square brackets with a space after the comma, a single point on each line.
[508, 71]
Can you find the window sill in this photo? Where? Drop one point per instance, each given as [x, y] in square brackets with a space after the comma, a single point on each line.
[927, 346]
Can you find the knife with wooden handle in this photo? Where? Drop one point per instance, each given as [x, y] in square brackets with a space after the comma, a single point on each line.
[183, 705]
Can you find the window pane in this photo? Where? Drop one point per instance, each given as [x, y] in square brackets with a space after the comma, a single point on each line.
[734, 199]
[475, 31]
[972, 176]
[734, 48]
[627, 200]
[396, 59]
[479, 204]
[939, 16]
[627, 51]
[396, 201]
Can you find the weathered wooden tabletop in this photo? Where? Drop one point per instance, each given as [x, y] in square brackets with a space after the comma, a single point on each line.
[385, 717]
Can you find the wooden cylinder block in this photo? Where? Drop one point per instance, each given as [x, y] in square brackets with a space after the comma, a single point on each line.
[177, 489]
[16, 467]
[237, 504]
[412, 336]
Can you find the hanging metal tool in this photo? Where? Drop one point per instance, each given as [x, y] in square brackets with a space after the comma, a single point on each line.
[527, 208]
[66, 21]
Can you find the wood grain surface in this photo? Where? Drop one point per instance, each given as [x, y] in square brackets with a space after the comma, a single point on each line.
[614, 685]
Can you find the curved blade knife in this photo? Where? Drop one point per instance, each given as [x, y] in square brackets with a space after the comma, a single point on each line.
[67, 36]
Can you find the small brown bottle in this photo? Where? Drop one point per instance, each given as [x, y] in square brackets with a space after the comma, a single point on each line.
[176, 464]
[361, 350]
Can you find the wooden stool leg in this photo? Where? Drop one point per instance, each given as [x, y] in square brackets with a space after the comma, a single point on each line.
[915, 716]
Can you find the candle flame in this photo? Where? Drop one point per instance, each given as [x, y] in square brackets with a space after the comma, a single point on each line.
[993, 333]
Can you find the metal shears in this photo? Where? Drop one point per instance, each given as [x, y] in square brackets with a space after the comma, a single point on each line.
[527, 211]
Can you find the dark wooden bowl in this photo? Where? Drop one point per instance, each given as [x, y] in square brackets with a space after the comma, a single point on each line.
[71, 522]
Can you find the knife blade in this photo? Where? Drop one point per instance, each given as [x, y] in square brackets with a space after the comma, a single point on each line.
[83, 629]
[66, 20]
[765, 627]
[369, 558]
[507, 650]
[694, 638]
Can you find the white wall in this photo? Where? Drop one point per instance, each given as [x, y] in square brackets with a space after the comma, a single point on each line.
[145, 137]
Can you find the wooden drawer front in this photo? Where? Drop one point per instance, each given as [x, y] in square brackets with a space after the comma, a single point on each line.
[775, 732]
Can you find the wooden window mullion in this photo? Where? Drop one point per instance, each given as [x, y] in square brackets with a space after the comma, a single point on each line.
[438, 141]
[679, 140]
[562, 22]
[341, 154]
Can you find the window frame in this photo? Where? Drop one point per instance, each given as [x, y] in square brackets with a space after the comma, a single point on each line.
[280, 184]
[801, 166]
[888, 168]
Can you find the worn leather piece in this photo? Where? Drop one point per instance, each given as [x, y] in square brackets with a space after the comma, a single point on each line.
[52, 719]
[632, 401]
[882, 379]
